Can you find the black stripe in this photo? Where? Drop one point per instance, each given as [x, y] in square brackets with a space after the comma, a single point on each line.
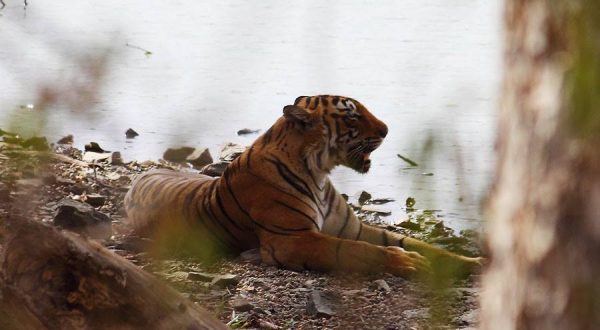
[385, 238]
[316, 102]
[335, 100]
[329, 130]
[292, 179]
[267, 136]
[345, 221]
[282, 191]
[325, 101]
[207, 208]
[271, 251]
[248, 156]
[182, 186]
[305, 162]
[319, 161]
[331, 206]
[291, 229]
[224, 212]
[337, 253]
[297, 211]
[279, 133]
[298, 99]
[359, 231]
[228, 186]
[189, 198]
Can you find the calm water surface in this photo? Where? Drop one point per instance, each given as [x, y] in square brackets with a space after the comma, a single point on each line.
[428, 68]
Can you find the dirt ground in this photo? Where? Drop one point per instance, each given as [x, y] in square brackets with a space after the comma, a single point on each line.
[256, 295]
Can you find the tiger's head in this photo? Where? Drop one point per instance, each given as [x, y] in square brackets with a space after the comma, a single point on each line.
[336, 130]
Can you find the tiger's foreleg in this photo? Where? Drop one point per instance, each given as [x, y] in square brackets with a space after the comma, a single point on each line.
[442, 261]
[315, 251]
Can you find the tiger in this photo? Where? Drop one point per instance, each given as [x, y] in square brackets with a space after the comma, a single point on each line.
[277, 197]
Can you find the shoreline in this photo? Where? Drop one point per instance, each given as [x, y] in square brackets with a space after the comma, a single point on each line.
[35, 182]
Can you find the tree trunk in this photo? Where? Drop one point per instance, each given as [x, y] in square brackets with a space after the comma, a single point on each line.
[544, 206]
[58, 280]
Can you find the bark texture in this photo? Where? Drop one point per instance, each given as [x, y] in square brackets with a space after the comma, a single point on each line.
[544, 206]
[59, 280]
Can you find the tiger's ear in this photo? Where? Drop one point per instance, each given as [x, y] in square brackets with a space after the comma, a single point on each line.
[297, 114]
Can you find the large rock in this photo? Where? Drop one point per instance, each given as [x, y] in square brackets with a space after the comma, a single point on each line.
[322, 303]
[231, 151]
[200, 158]
[83, 219]
[178, 155]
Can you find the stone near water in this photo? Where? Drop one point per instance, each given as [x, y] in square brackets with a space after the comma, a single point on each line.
[231, 151]
[322, 303]
[363, 197]
[130, 133]
[83, 219]
[376, 209]
[382, 200]
[115, 158]
[214, 169]
[200, 158]
[93, 147]
[66, 139]
[245, 131]
[177, 155]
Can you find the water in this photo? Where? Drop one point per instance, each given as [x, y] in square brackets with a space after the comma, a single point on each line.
[427, 68]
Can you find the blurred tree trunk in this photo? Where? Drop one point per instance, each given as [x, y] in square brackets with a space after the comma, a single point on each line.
[544, 206]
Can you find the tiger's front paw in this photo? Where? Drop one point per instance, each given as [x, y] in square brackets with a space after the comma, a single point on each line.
[406, 264]
[473, 265]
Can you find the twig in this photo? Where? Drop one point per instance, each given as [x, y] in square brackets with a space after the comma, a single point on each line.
[146, 52]
[3, 4]
[408, 160]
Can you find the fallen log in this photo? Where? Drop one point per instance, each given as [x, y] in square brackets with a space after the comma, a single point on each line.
[51, 279]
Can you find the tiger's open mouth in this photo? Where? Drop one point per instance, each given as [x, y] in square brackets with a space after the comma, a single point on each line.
[358, 155]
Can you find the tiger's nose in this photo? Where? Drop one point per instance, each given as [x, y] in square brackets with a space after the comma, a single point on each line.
[383, 131]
